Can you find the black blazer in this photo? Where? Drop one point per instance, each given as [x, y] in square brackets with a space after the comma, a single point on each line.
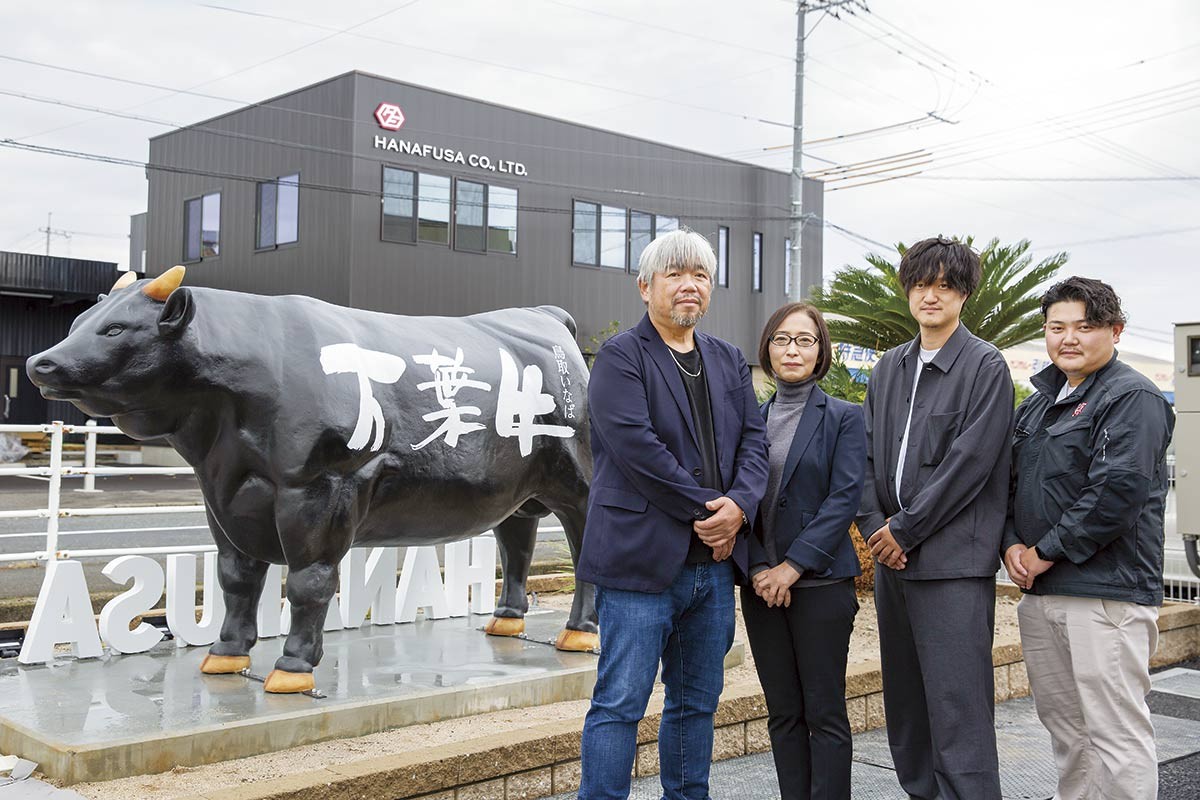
[820, 490]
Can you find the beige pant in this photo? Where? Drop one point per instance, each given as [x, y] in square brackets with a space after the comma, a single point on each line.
[1089, 669]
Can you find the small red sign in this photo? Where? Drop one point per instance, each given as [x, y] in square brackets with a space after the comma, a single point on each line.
[389, 116]
[1079, 409]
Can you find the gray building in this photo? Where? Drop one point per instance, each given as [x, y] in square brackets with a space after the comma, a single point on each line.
[40, 296]
[382, 195]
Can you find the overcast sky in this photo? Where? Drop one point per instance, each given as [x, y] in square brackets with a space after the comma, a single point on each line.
[1003, 92]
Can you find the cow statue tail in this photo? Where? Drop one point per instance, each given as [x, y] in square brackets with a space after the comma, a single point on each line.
[562, 316]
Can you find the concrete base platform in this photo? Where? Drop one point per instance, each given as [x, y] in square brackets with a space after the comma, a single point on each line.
[98, 719]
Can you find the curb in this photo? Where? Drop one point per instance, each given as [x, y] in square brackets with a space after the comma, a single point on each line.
[544, 759]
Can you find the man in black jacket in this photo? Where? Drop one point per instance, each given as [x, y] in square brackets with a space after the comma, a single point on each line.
[1084, 540]
[938, 416]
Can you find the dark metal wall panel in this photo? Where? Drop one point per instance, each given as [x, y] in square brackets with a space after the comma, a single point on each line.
[306, 132]
[29, 325]
[71, 277]
[341, 257]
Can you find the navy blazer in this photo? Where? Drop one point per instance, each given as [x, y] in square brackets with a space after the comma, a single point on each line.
[645, 491]
[819, 491]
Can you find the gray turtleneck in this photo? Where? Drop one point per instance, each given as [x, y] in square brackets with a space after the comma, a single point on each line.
[790, 402]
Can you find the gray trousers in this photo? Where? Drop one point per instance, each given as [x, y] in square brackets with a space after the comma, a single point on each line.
[935, 644]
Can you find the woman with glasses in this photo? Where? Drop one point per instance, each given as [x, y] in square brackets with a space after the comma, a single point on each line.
[800, 604]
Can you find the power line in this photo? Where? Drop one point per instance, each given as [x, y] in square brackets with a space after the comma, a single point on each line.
[244, 70]
[510, 67]
[373, 193]
[1065, 179]
[269, 104]
[1126, 237]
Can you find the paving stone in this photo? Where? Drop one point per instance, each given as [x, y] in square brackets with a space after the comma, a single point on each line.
[566, 776]
[647, 759]
[758, 736]
[529, 785]
[488, 790]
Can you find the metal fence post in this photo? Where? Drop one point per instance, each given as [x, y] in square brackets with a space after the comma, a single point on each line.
[56, 448]
[89, 458]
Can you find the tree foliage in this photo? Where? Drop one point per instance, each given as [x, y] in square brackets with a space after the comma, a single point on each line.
[1004, 310]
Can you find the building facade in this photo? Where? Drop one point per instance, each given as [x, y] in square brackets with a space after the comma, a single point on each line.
[40, 296]
[377, 194]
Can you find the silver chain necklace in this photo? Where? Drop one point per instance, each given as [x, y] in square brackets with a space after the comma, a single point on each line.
[696, 374]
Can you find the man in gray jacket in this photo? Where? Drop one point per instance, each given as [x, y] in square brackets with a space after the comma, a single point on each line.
[1085, 542]
[938, 415]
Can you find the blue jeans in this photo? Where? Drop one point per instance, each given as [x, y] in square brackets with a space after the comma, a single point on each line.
[689, 627]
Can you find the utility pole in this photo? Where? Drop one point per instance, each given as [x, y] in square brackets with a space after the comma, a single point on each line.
[796, 290]
[49, 231]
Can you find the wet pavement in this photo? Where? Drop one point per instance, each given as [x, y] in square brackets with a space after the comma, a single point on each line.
[97, 719]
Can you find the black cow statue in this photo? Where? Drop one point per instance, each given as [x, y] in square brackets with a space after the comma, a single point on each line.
[315, 428]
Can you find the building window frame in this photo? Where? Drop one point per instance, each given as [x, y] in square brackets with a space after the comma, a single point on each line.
[383, 215]
[629, 258]
[787, 267]
[449, 208]
[290, 180]
[202, 201]
[722, 276]
[756, 263]
[516, 218]
[456, 239]
[595, 232]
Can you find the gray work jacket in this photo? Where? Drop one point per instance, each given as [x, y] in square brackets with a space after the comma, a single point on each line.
[956, 470]
[1091, 484]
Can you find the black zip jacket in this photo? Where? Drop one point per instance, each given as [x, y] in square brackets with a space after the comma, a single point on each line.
[1090, 483]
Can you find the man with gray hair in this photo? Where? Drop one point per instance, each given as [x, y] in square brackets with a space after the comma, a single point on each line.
[680, 466]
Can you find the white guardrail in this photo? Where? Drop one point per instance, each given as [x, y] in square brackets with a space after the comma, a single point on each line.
[53, 512]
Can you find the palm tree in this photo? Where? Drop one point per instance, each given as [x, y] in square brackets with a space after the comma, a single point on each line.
[1004, 310]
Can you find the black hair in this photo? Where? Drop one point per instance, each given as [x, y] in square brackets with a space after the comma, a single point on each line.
[1101, 304]
[825, 345]
[957, 263]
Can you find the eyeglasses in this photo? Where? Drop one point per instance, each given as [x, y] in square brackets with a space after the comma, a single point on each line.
[803, 341]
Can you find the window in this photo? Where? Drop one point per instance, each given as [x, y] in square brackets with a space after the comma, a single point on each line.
[502, 220]
[641, 233]
[756, 278]
[202, 227]
[470, 203]
[433, 208]
[399, 206]
[665, 225]
[723, 257]
[279, 211]
[585, 241]
[612, 237]
[787, 267]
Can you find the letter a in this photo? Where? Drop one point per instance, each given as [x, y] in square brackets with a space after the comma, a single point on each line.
[62, 615]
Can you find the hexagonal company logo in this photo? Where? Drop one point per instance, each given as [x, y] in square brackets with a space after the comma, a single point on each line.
[389, 116]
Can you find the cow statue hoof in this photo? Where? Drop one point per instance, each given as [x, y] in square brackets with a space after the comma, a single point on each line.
[224, 665]
[578, 641]
[280, 682]
[505, 626]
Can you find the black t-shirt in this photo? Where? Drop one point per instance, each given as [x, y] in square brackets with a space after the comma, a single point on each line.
[691, 369]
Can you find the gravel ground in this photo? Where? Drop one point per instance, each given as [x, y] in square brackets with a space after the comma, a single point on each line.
[864, 647]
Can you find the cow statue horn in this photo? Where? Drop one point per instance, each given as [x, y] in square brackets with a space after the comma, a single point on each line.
[127, 279]
[162, 286]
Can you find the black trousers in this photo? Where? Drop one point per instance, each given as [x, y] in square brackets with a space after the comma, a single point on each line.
[800, 653]
[935, 647]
